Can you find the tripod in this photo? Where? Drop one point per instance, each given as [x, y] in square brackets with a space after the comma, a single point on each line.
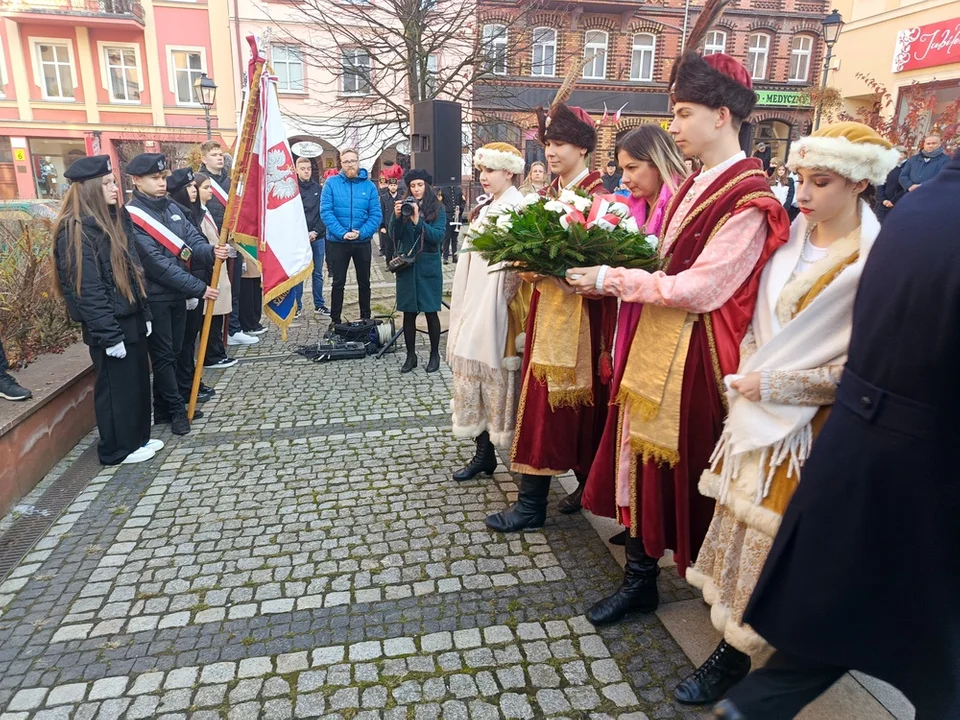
[399, 332]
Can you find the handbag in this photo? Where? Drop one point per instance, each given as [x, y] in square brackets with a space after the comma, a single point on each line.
[402, 262]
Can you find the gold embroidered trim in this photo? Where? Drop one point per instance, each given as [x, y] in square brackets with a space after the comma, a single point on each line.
[523, 402]
[715, 358]
[634, 531]
[753, 196]
[720, 223]
[719, 193]
[616, 464]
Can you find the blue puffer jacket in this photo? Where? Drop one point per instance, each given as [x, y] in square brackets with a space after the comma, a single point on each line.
[350, 204]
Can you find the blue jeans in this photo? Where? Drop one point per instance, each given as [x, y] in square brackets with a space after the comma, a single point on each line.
[298, 296]
[319, 250]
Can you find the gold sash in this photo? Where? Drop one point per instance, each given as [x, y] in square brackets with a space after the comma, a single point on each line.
[653, 381]
[561, 347]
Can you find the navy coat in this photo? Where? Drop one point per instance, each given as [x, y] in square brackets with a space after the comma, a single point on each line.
[420, 288]
[865, 570]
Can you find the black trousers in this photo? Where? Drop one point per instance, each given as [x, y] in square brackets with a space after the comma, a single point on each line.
[235, 268]
[251, 303]
[783, 687]
[215, 349]
[449, 242]
[121, 400]
[4, 364]
[386, 245]
[339, 255]
[186, 360]
[166, 342]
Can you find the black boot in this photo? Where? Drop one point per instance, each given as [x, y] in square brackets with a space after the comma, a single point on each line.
[530, 510]
[619, 539]
[410, 363]
[484, 461]
[708, 683]
[572, 502]
[637, 592]
[434, 363]
[180, 425]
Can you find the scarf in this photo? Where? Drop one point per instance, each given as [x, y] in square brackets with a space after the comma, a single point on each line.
[793, 333]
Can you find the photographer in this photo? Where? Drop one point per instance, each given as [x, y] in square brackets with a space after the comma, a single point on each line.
[417, 229]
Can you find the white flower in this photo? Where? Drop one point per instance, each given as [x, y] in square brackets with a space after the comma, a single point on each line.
[505, 222]
[530, 199]
[556, 206]
[568, 196]
[630, 225]
[605, 224]
[619, 209]
[581, 203]
[653, 241]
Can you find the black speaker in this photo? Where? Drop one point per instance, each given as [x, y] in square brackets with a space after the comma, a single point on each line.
[436, 140]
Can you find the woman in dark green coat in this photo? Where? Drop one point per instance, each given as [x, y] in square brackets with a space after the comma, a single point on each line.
[418, 236]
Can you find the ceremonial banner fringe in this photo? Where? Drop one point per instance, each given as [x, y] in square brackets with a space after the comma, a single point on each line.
[561, 348]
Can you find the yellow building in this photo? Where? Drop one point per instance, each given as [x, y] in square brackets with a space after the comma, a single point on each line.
[906, 46]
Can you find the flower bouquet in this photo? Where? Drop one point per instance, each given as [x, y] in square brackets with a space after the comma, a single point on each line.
[548, 236]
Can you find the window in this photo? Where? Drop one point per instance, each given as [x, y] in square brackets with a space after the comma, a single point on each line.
[716, 42]
[544, 52]
[186, 67]
[56, 71]
[288, 67]
[495, 48]
[433, 69]
[800, 51]
[644, 48]
[595, 46]
[3, 84]
[122, 71]
[757, 51]
[356, 72]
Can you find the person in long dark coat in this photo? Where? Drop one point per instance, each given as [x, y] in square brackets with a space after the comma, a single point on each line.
[864, 573]
[420, 287]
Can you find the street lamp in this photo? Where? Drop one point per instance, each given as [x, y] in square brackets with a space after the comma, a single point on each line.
[832, 25]
[205, 90]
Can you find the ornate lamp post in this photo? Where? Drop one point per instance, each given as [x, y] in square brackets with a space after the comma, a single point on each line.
[832, 25]
[205, 90]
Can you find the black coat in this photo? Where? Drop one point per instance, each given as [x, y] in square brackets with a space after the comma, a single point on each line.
[310, 196]
[386, 206]
[168, 278]
[107, 317]
[865, 570]
[890, 190]
[215, 207]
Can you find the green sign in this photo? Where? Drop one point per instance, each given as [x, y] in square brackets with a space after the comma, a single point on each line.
[782, 98]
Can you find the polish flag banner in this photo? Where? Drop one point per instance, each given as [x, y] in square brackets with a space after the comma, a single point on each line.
[269, 224]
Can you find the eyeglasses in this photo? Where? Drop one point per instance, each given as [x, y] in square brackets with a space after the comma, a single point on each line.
[349, 162]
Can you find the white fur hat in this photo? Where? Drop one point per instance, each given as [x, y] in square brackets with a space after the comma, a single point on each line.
[499, 156]
[850, 149]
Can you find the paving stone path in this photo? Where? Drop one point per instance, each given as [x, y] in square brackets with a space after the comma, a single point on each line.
[305, 553]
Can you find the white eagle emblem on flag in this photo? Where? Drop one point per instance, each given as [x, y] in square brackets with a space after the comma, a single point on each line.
[281, 177]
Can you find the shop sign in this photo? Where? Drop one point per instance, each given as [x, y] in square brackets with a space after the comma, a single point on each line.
[781, 98]
[927, 46]
[20, 155]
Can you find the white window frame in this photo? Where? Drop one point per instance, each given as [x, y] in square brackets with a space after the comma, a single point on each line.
[343, 72]
[172, 71]
[3, 72]
[102, 48]
[490, 44]
[598, 50]
[539, 69]
[35, 43]
[432, 68]
[755, 54]
[636, 68]
[716, 42]
[802, 56]
[303, 75]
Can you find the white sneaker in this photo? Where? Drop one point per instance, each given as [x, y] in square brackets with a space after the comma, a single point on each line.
[155, 445]
[241, 338]
[141, 455]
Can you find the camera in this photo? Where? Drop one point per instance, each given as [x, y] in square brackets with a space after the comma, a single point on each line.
[406, 209]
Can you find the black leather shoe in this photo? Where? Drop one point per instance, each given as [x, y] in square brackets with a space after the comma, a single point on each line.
[409, 364]
[434, 363]
[207, 389]
[726, 710]
[180, 425]
[574, 501]
[197, 414]
[619, 539]
[638, 591]
[708, 683]
[484, 461]
[530, 510]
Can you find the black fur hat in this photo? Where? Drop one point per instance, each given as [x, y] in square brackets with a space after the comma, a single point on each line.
[569, 125]
[715, 81]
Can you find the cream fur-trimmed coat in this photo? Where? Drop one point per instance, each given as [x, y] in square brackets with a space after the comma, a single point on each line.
[482, 345]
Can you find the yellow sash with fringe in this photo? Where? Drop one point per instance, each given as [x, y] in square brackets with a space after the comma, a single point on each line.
[653, 381]
[561, 347]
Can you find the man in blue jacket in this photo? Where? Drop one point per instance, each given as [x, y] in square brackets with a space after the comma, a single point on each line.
[350, 210]
[925, 165]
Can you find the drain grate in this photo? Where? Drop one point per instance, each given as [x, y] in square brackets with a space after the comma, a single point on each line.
[31, 525]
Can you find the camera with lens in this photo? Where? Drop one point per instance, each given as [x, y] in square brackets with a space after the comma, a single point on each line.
[406, 209]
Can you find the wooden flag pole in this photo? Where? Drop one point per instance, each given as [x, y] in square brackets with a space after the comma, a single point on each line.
[240, 165]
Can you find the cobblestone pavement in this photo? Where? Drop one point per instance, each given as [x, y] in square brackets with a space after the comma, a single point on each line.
[305, 553]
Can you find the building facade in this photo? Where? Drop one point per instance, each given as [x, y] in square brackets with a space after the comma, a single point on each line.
[106, 76]
[631, 54]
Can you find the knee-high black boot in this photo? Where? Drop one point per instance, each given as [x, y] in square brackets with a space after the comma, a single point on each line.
[484, 461]
[433, 330]
[410, 340]
[530, 510]
[637, 592]
[721, 671]
[573, 502]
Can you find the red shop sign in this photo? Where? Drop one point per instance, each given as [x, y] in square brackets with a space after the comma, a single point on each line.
[927, 46]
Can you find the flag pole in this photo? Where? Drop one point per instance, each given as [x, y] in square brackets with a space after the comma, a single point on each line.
[247, 135]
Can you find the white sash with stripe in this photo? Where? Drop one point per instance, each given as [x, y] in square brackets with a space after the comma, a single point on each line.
[218, 192]
[159, 232]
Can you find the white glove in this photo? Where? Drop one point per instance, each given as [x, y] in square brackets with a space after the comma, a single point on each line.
[192, 304]
[243, 268]
[231, 251]
[149, 328]
[118, 351]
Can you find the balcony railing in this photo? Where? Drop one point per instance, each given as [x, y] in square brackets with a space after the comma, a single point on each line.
[131, 9]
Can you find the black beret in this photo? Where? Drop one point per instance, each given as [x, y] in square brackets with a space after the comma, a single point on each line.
[417, 174]
[87, 168]
[179, 179]
[147, 164]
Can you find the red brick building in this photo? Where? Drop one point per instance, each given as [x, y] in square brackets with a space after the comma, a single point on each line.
[632, 50]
